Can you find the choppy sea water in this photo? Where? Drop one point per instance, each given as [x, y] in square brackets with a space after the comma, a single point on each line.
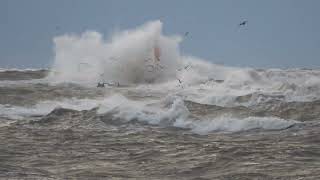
[161, 115]
[150, 131]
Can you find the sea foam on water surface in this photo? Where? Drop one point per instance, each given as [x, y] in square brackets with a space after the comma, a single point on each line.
[149, 62]
[170, 112]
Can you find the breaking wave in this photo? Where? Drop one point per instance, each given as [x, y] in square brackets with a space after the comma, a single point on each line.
[150, 81]
[144, 55]
[127, 58]
[169, 112]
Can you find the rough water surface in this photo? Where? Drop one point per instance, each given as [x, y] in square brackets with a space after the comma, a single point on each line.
[68, 131]
[160, 115]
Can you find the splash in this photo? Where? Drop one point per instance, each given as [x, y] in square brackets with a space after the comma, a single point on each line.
[145, 55]
[140, 55]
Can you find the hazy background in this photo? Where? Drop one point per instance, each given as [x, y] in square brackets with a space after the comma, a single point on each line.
[280, 33]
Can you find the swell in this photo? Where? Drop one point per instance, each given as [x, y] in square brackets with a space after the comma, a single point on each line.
[15, 75]
[300, 111]
[47, 150]
[28, 95]
[199, 118]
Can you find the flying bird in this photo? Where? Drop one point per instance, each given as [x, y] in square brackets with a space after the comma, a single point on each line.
[243, 23]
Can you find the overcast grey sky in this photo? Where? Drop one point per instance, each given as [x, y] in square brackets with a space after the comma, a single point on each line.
[280, 33]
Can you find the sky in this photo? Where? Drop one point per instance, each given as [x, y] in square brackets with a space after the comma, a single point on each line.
[279, 33]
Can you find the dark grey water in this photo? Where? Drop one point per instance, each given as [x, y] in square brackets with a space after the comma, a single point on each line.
[45, 136]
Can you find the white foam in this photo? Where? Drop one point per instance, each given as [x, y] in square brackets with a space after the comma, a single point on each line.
[178, 115]
[127, 58]
[231, 124]
[169, 111]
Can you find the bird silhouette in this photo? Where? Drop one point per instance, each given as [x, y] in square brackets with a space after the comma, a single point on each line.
[243, 23]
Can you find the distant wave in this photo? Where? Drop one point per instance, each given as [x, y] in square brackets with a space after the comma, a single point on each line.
[22, 70]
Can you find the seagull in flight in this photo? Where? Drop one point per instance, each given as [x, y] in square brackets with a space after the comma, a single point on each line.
[243, 23]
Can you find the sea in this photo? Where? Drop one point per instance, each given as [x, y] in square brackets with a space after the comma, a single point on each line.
[158, 115]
